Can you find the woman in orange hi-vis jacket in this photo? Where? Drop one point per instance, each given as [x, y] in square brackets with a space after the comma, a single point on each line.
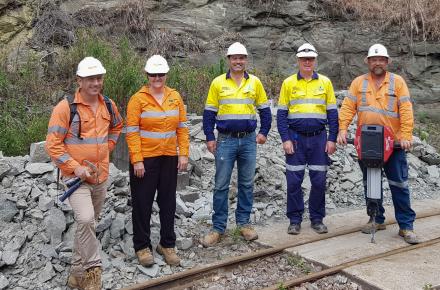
[158, 142]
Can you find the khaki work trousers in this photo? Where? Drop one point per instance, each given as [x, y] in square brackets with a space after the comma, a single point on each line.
[87, 202]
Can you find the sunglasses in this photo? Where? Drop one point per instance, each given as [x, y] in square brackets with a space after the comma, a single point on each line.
[155, 75]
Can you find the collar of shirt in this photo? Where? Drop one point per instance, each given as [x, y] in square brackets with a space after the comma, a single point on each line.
[314, 76]
[228, 75]
[385, 80]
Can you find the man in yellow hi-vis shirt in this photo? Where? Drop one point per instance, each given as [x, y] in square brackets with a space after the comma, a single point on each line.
[307, 104]
[232, 102]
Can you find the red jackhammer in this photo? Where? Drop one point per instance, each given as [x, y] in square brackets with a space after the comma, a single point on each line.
[374, 145]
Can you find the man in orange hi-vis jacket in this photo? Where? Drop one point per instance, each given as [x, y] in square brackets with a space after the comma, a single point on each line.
[88, 135]
[382, 98]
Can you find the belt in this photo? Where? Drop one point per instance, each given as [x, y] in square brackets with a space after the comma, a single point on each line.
[312, 133]
[237, 134]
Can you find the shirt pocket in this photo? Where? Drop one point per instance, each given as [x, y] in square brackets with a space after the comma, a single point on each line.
[365, 94]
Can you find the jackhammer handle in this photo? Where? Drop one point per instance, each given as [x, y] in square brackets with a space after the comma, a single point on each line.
[395, 146]
[71, 190]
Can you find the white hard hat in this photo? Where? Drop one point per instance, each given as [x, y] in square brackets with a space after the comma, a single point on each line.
[378, 50]
[236, 48]
[157, 65]
[306, 50]
[90, 66]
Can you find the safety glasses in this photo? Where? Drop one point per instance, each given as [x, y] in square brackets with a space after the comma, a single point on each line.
[306, 50]
[156, 75]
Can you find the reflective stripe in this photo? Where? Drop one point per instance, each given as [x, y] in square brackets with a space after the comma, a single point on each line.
[295, 167]
[306, 116]
[158, 135]
[132, 129]
[398, 184]
[113, 137]
[351, 97]
[235, 101]
[307, 101]
[183, 125]
[391, 96]
[263, 106]
[160, 114]
[237, 117]
[332, 106]
[403, 99]
[318, 167]
[391, 85]
[281, 107]
[63, 158]
[57, 129]
[93, 140]
[379, 111]
[211, 108]
[364, 91]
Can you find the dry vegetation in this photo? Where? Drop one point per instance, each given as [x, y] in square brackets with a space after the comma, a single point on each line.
[417, 19]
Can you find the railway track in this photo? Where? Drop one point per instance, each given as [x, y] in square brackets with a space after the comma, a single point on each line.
[187, 279]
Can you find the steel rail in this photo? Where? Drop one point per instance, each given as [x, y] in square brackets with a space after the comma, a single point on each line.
[336, 269]
[180, 278]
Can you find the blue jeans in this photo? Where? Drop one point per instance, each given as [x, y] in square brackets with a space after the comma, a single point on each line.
[396, 170]
[244, 151]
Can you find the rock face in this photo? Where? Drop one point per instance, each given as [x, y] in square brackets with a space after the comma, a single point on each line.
[272, 31]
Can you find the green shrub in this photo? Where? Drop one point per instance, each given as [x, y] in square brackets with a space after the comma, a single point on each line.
[21, 126]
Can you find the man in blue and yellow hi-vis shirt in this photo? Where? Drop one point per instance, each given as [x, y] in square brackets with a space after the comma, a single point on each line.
[232, 102]
[307, 104]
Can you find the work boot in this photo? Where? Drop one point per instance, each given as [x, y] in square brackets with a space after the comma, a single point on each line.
[319, 227]
[145, 257]
[368, 228]
[210, 239]
[93, 279]
[248, 233]
[169, 254]
[294, 229]
[75, 282]
[409, 236]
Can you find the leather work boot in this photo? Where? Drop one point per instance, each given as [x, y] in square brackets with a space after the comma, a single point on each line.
[319, 227]
[210, 239]
[367, 229]
[409, 236]
[93, 279]
[248, 233]
[169, 254]
[145, 257]
[76, 282]
[294, 229]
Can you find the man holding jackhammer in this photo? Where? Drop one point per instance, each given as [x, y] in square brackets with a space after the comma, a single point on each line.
[382, 98]
[85, 127]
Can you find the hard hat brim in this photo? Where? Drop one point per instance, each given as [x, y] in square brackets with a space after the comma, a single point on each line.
[367, 57]
[91, 73]
[306, 54]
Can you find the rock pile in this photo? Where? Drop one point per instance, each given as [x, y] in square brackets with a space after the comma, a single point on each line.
[37, 230]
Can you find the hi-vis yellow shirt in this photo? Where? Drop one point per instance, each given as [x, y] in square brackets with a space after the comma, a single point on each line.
[307, 106]
[235, 106]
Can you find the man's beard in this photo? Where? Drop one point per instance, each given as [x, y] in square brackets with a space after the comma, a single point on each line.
[378, 71]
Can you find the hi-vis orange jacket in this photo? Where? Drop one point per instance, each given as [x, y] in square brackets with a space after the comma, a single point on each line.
[97, 137]
[154, 129]
[390, 105]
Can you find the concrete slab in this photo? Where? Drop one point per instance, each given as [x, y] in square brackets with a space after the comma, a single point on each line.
[410, 270]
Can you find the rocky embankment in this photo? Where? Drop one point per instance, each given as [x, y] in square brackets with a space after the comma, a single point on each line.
[37, 230]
